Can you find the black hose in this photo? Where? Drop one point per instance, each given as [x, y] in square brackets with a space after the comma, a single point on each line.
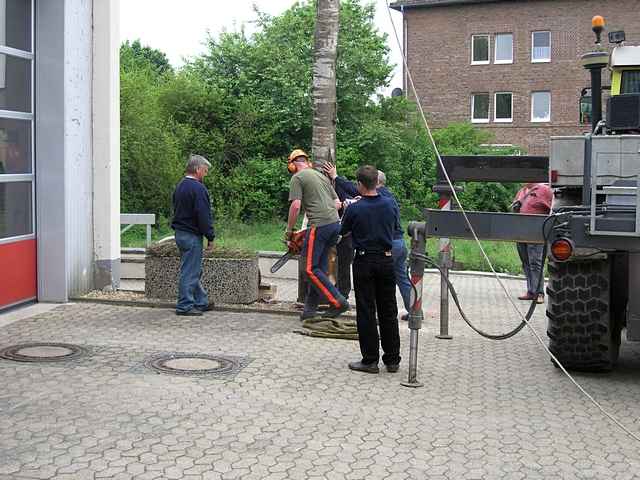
[454, 294]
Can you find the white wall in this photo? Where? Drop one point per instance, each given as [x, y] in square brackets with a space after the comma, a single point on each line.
[77, 146]
[78, 121]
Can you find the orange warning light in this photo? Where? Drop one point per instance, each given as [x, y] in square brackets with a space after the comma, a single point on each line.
[597, 22]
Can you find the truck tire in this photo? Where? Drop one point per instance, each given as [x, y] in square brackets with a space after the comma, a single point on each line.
[582, 332]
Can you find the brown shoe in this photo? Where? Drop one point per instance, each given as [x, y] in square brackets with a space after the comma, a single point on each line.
[526, 296]
[540, 299]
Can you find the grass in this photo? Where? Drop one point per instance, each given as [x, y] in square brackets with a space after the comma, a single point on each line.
[268, 236]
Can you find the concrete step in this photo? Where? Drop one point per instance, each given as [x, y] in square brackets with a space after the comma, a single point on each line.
[132, 266]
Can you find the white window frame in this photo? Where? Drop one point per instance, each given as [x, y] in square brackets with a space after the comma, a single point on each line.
[481, 62]
[540, 60]
[29, 116]
[537, 120]
[495, 49]
[495, 108]
[480, 120]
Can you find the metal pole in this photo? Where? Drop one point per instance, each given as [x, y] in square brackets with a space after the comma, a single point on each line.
[148, 235]
[417, 232]
[445, 263]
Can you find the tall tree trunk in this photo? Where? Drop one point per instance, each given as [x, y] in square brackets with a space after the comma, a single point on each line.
[323, 145]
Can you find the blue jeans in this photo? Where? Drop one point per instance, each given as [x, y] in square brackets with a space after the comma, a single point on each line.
[315, 252]
[399, 252]
[190, 291]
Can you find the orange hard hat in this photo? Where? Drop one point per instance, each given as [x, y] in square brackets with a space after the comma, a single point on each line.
[297, 153]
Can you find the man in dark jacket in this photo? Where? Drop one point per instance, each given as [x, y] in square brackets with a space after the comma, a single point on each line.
[192, 220]
[371, 221]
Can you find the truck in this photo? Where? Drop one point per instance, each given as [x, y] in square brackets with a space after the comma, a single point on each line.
[593, 231]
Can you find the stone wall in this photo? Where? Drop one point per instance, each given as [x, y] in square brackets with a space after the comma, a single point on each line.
[227, 280]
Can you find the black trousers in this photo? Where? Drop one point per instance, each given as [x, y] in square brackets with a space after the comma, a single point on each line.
[344, 252]
[375, 287]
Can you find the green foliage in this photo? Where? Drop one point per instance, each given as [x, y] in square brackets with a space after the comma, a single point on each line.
[134, 56]
[246, 103]
[150, 153]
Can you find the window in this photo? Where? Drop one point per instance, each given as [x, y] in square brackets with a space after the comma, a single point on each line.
[16, 120]
[15, 24]
[504, 107]
[630, 82]
[541, 107]
[480, 108]
[540, 47]
[480, 49]
[504, 48]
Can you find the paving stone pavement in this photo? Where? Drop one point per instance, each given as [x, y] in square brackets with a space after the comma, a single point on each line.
[488, 409]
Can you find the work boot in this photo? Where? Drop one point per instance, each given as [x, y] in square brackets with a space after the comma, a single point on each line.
[393, 367]
[194, 312]
[364, 367]
[307, 315]
[334, 312]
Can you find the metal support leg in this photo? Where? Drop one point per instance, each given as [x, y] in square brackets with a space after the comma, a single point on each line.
[417, 231]
[445, 264]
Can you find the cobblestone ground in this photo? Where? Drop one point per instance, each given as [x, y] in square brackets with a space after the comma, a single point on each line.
[488, 409]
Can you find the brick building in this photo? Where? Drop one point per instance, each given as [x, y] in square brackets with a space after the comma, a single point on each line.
[509, 66]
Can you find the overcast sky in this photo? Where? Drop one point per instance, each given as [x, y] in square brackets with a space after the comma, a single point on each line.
[178, 28]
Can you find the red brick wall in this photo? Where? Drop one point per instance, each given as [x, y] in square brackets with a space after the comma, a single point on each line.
[439, 57]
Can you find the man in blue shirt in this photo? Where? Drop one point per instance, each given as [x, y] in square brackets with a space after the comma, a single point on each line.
[192, 220]
[399, 249]
[371, 222]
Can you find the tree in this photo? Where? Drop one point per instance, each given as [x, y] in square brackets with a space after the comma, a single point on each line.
[323, 143]
[135, 56]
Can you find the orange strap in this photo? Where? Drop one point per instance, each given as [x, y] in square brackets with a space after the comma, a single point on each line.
[316, 281]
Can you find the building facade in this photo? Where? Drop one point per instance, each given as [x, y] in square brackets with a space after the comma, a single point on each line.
[511, 67]
[59, 148]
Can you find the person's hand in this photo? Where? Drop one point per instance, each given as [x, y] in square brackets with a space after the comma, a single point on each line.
[286, 237]
[350, 201]
[209, 246]
[338, 204]
[330, 170]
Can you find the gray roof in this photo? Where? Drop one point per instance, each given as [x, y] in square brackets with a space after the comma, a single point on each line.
[435, 3]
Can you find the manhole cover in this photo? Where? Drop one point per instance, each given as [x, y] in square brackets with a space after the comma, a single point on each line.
[193, 364]
[41, 352]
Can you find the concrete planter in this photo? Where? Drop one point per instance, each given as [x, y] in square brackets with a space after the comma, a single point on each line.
[227, 280]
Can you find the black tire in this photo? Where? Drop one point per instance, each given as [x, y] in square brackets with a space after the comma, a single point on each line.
[582, 333]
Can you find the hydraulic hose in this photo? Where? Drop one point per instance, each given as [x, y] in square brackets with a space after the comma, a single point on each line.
[456, 300]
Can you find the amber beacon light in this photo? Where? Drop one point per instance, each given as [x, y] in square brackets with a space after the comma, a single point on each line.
[597, 24]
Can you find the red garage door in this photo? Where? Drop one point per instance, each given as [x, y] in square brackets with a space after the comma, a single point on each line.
[18, 278]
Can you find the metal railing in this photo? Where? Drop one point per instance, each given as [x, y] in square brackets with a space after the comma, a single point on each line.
[131, 219]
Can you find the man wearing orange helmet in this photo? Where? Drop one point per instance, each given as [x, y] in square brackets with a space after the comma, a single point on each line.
[312, 192]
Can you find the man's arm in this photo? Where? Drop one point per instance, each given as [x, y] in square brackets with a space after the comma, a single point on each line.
[348, 186]
[294, 211]
[204, 215]
[347, 222]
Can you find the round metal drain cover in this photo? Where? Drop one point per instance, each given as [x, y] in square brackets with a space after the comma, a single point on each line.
[191, 364]
[41, 352]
